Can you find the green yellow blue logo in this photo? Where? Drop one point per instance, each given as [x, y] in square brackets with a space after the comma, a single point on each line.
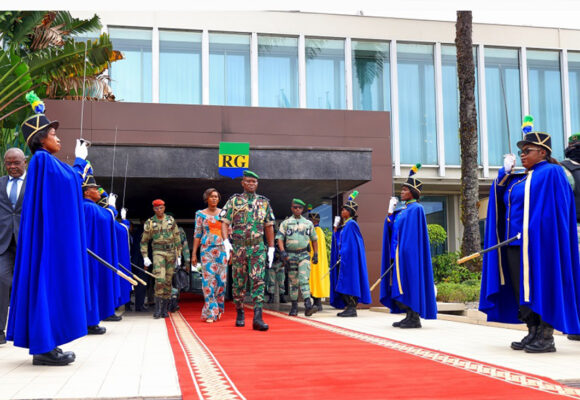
[234, 158]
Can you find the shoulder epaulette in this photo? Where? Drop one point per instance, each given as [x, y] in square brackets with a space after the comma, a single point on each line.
[260, 197]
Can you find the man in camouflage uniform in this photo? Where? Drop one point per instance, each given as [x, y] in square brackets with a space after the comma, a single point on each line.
[276, 276]
[294, 237]
[163, 233]
[250, 217]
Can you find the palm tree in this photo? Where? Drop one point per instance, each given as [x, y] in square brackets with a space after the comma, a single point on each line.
[468, 138]
[39, 52]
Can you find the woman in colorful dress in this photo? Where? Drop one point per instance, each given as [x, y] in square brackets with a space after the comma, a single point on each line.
[213, 256]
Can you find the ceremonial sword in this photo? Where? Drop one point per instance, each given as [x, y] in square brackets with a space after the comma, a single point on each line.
[141, 281]
[330, 270]
[497, 246]
[381, 277]
[143, 270]
[115, 270]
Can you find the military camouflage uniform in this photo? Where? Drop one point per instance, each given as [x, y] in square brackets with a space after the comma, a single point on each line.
[248, 214]
[276, 276]
[166, 244]
[296, 233]
[185, 255]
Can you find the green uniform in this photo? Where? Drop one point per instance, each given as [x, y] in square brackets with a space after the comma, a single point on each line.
[166, 244]
[248, 214]
[276, 276]
[185, 255]
[296, 233]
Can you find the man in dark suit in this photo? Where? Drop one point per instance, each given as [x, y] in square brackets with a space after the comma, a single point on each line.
[11, 195]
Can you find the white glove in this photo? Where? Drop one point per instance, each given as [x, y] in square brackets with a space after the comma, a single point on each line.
[229, 248]
[112, 200]
[392, 204]
[179, 261]
[270, 256]
[336, 221]
[509, 160]
[146, 261]
[123, 213]
[81, 150]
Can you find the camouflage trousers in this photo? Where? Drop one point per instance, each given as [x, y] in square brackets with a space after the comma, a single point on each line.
[248, 265]
[163, 267]
[275, 276]
[299, 275]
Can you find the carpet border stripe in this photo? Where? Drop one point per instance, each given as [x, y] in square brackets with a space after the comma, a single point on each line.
[491, 371]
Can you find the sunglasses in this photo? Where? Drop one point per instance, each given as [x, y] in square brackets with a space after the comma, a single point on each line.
[158, 207]
[527, 151]
[297, 207]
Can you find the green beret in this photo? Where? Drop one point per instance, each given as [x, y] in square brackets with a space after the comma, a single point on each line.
[574, 138]
[251, 174]
[299, 202]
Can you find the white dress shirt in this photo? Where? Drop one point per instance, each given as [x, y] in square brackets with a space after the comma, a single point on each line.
[20, 181]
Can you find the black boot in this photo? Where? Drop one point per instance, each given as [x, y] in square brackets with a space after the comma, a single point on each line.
[164, 307]
[350, 311]
[414, 321]
[53, 357]
[309, 309]
[2, 337]
[529, 338]
[269, 298]
[283, 299]
[240, 319]
[573, 337]
[318, 303]
[544, 340]
[157, 312]
[259, 324]
[96, 330]
[294, 310]
[398, 323]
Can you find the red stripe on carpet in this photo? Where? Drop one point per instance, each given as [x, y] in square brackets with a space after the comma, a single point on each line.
[299, 361]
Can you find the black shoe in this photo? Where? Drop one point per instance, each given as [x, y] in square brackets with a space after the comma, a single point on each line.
[240, 318]
[294, 309]
[544, 340]
[318, 303]
[398, 323]
[157, 312]
[309, 308]
[570, 337]
[269, 298]
[96, 330]
[529, 338]
[283, 299]
[414, 321]
[53, 357]
[259, 324]
[348, 312]
[2, 337]
[113, 318]
[164, 307]
[66, 353]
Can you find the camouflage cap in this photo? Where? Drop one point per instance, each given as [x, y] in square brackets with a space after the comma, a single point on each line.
[251, 174]
[299, 202]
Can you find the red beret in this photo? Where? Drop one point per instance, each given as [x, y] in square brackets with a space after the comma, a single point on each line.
[158, 202]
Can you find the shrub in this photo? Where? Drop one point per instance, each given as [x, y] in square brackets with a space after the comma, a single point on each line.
[437, 234]
[446, 269]
[457, 292]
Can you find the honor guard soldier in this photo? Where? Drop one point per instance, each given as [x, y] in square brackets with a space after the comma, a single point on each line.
[250, 217]
[293, 239]
[163, 232]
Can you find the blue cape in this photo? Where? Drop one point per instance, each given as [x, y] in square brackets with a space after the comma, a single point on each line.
[350, 276]
[123, 248]
[552, 254]
[49, 301]
[408, 233]
[102, 240]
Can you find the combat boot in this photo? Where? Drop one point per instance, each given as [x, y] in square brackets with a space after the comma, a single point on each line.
[164, 307]
[283, 299]
[544, 340]
[269, 298]
[309, 309]
[294, 310]
[350, 311]
[529, 338]
[573, 337]
[259, 324]
[240, 319]
[318, 303]
[414, 321]
[398, 323]
[157, 312]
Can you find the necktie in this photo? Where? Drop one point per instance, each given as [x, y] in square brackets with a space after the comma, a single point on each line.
[14, 191]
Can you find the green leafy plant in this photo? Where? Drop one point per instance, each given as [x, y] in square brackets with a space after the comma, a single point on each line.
[458, 292]
[446, 269]
[437, 234]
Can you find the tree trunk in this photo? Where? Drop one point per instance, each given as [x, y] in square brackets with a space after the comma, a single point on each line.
[468, 138]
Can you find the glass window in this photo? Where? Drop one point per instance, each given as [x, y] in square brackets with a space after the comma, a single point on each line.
[325, 73]
[450, 87]
[229, 69]
[574, 82]
[545, 92]
[179, 67]
[503, 100]
[278, 71]
[417, 128]
[371, 71]
[436, 213]
[131, 77]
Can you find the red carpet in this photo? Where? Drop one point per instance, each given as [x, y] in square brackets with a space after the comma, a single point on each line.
[312, 360]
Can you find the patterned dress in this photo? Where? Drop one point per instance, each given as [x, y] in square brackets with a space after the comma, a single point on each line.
[213, 261]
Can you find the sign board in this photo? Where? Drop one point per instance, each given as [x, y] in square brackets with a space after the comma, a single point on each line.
[234, 158]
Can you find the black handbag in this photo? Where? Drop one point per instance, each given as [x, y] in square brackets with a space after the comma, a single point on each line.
[180, 279]
[195, 281]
